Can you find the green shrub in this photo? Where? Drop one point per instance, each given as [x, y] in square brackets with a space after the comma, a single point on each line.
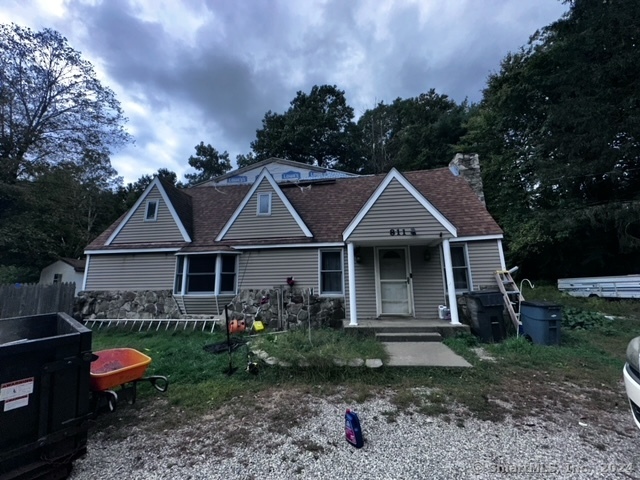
[579, 319]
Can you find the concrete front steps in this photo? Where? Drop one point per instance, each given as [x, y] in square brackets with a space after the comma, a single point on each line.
[399, 329]
[409, 337]
[413, 342]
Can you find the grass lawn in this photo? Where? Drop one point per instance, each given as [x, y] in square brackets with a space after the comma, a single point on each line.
[524, 378]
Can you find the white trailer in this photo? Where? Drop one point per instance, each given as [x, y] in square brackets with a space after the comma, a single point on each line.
[624, 286]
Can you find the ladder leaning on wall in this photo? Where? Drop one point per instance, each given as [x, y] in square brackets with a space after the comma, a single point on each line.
[511, 293]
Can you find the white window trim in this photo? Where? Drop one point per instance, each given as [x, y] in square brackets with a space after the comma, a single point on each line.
[330, 294]
[218, 270]
[258, 212]
[467, 265]
[155, 214]
[175, 274]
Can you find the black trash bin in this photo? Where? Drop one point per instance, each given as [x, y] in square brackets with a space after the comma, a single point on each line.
[541, 322]
[486, 313]
[44, 395]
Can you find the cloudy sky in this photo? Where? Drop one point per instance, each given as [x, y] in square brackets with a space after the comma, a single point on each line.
[187, 71]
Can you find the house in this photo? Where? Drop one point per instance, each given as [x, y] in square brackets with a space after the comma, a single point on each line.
[64, 270]
[390, 245]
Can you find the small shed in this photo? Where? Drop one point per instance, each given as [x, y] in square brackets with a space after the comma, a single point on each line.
[64, 270]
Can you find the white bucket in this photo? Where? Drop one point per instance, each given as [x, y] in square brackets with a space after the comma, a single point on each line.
[443, 312]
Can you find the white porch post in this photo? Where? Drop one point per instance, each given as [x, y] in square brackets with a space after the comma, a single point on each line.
[451, 287]
[351, 265]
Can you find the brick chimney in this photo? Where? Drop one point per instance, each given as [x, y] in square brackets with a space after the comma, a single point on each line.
[467, 165]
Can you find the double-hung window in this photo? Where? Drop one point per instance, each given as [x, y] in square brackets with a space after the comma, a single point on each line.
[205, 274]
[331, 272]
[460, 267]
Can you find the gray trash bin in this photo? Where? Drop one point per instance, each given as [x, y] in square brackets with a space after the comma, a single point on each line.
[541, 322]
[486, 312]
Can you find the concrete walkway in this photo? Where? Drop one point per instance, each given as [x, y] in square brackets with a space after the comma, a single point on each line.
[422, 354]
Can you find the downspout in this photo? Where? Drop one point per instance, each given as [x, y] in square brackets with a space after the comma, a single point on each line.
[451, 286]
[351, 265]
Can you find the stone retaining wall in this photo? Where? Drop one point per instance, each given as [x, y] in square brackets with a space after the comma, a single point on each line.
[288, 308]
[277, 309]
[147, 304]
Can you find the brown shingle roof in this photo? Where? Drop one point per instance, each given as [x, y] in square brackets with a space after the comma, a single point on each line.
[182, 205]
[327, 208]
[77, 264]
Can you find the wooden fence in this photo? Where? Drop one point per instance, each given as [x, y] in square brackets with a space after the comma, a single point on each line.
[20, 300]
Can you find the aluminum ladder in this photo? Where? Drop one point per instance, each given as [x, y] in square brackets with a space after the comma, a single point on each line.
[511, 293]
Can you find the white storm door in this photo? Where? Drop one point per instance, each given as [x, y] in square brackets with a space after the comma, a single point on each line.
[393, 298]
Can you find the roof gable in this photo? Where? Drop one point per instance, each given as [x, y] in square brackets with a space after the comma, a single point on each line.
[394, 177]
[281, 170]
[155, 185]
[244, 213]
[326, 208]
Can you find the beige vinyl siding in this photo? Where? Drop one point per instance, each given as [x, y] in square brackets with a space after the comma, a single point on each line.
[250, 225]
[203, 304]
[270, 268]
[136, 230]
[484, 260]
[428, 283]
[366, 285]
[138, 271]
[396, 208]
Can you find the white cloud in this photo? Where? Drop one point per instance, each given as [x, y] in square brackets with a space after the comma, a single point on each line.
[205, 70]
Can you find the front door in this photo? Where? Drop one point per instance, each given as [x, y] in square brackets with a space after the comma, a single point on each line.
[393, 282]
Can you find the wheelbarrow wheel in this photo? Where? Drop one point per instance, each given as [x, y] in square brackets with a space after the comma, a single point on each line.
[159, 382]
[112, 400]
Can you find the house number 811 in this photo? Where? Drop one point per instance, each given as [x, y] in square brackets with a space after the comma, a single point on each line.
[401, 232]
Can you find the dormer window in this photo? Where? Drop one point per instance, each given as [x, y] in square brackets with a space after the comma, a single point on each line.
[264, 204]
[151, 213]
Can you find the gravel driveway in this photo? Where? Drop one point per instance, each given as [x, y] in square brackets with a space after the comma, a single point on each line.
[293, 434]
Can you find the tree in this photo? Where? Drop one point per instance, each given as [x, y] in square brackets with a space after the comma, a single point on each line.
[208, 162]
[559, 132]
[244, 160]
[52, 106]
[412, 134]
[315, 129]
[130, 193]
[55, 214]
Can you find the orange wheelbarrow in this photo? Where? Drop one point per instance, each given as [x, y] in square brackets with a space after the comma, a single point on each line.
[123, 367]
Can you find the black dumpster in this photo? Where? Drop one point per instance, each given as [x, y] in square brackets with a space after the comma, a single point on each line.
[486, 315]
[44, 395]
[541, 322]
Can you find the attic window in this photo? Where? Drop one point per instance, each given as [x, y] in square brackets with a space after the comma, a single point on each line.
[264, 203]
[57, 278]
[151, 214]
